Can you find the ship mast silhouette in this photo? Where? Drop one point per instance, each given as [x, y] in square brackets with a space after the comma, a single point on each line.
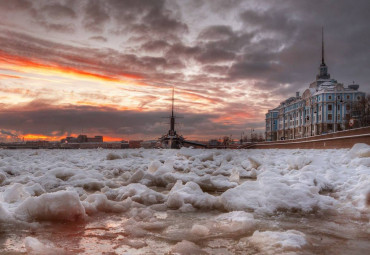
[172, 130]
[172, 140]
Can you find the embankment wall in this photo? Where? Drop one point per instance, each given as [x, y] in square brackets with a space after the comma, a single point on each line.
[338, 140]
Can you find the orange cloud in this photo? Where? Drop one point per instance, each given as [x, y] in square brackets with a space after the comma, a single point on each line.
[196, 97]
[22, 64]
[38, 137]
[35, 137]
[6, 76]
[233, 118]
[108, 106]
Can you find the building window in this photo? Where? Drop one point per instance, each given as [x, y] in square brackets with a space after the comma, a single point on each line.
[338, 117]
[358, 98]
[347, 116]
[329, 97]
[338, 97]
[330, 127]
[320, 108]
[320, 117]
[330, 107]
[330, 117]
[347, 96]
[347, 107]
[338, 107]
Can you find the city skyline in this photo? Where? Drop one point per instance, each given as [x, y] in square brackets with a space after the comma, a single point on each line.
[108, 67]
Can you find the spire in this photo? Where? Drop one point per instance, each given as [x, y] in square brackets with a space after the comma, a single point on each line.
[323, 69]
[173, 99]
[322, 49]
[172, 118]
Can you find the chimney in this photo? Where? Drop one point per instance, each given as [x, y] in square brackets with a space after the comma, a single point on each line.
[297, 94]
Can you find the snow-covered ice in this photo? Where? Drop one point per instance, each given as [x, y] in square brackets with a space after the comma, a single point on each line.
[177, 201]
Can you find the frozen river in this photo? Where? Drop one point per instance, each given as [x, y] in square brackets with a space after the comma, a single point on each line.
[185, 201]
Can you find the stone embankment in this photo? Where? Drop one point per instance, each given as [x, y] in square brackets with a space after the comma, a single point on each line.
[337, 140]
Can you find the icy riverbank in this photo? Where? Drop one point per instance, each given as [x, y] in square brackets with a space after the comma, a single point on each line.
[177, 201]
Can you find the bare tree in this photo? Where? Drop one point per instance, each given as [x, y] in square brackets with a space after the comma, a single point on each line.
[361, 111]
[254, 137]
[260, 138]
[226, 140]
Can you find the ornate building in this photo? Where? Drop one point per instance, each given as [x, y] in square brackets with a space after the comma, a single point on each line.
[325, 107]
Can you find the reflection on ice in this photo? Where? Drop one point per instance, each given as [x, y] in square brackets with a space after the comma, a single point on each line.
[185, 201]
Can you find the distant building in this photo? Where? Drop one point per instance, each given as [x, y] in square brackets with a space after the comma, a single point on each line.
[326, 106]
[125, 144]
[82, 139]
[150, 144]
[135, 144]
[84, 142]
[214, 142]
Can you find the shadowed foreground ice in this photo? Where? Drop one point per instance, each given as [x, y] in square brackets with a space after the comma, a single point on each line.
[185, 201]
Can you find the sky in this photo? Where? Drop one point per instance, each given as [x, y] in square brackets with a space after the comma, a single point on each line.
[108, 67]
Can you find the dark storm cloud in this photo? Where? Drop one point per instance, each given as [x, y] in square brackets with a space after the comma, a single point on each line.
[279, 20]
[155, 46]
[56, 27]
[284, 42]
[42, 117]
[215, 55]
[96, 15]
[98, 38]
[278, 43]
[216, 33]
[57, 10]
[216, 69]
[296, 29]
[145, 17]
[15, 5]
[53, 16]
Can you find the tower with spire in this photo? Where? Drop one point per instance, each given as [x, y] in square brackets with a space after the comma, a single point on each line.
[325, 107]
[323, 70]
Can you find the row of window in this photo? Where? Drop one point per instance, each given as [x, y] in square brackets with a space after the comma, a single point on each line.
[330, 108]
[330, 118]
[339, 97]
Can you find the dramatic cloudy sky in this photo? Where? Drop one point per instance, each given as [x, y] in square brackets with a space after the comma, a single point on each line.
[107, 67]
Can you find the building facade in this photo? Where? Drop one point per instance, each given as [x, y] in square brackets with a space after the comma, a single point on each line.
[325, 107]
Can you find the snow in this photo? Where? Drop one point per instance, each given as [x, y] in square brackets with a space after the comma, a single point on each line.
[264, 181]
[236, 222]
[236, 186]
[36, 247]
[187, 248]
[199, 230]
[99, 203]
[190, 195]
[60, 205]
[276, 242]
[359, 150]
